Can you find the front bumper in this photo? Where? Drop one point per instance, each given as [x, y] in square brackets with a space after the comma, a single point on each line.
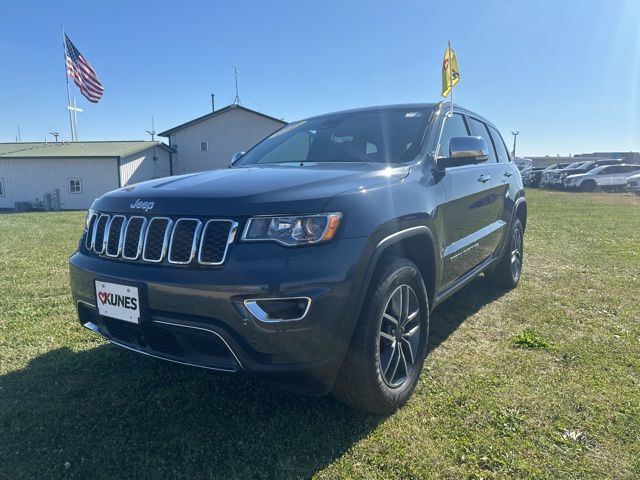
[197, 316]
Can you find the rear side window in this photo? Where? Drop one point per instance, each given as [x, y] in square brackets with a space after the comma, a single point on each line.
[479, 129]
[501, 148]
[453, 127]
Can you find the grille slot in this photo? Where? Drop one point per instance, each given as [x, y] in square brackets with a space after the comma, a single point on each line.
[184, 240]
[98, 233]
[133, 238]
[216, 237]
[92, 224]
[156, 239]
[114, 235]
[160, 239]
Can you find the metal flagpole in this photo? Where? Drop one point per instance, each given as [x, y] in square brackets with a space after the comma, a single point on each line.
[66, 76]
[450, 79]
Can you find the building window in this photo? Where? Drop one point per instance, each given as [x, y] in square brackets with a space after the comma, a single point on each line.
[75, 185]
[1, 187]
[204, 146]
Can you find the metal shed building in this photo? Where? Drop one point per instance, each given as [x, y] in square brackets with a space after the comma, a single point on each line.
[74, 174]
[208, 142]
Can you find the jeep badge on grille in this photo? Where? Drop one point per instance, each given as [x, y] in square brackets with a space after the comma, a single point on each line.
[140, 205]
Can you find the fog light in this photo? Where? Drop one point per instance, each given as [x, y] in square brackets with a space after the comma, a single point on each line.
[278, 309]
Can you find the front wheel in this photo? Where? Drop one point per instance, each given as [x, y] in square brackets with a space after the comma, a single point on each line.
[588, 186]
[383, 364]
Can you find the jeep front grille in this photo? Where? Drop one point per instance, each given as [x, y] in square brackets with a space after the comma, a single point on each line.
[158, 239]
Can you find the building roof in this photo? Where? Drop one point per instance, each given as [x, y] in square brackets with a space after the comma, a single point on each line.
[215, 113]
[76, 149]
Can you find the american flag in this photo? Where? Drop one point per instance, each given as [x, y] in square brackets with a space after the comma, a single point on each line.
[83, 75]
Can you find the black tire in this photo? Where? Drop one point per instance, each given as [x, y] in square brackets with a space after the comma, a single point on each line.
[508, 272]
[362, 381]
[588, 186]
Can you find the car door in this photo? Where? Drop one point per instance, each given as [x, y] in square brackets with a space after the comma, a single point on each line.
[500, 169]
[604, 177]
[467, 213]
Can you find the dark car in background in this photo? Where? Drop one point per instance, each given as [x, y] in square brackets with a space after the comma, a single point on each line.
[315, 261]
[532, 176]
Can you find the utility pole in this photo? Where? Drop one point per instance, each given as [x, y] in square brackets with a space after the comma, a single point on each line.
[515, 134]
[152, 132]
[19, 137]
[55, 135]
[236, 101]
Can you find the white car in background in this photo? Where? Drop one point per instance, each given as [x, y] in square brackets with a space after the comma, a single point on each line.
[633, 184]
[608, 177]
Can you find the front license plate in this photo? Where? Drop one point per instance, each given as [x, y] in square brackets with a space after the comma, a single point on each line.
[118, 301]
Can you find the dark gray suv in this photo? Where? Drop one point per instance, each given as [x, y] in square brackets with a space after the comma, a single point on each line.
[316, 259]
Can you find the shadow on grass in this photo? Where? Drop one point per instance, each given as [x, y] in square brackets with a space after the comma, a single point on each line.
[110, 413]
[456, 309]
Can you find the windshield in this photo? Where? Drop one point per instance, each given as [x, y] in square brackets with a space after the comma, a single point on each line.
[380, 136]
[574, 165]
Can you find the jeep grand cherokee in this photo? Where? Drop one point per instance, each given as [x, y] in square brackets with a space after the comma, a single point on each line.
[316, 259]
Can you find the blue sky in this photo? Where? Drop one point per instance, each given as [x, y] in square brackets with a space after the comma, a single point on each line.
[564, 73]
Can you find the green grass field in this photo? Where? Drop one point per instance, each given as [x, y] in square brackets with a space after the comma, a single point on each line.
[540, 382]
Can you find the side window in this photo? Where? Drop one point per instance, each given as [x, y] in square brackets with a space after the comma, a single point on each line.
[75, 185]
[453, 127]
[501, 148]
[204, 146]
[1, 187]
[479, 129]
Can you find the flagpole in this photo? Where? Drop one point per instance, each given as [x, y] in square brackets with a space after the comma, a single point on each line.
[66, 76]
[450, 79]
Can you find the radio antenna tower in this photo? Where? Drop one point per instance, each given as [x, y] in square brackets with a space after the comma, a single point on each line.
[236, 101]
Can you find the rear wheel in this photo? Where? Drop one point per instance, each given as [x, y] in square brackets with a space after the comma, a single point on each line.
[383, 364]
[507, 273]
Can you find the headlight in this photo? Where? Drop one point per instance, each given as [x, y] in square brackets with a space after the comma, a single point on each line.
[293, 230]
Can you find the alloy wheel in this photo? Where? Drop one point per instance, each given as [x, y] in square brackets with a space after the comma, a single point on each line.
[516, 254]
[399, 336]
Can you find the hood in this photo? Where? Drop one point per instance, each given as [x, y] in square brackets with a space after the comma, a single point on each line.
[579, 175]
[254, 190]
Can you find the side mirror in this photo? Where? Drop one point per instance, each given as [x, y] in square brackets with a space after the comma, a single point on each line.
[465, 151]
[236, 156]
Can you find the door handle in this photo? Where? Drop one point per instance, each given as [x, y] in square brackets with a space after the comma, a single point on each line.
[484, 178]
[507, 174]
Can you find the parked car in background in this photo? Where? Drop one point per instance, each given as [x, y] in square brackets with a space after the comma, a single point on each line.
[556, 178]
[531, 176]
[550, 175]
[608, 177]
[633, 184]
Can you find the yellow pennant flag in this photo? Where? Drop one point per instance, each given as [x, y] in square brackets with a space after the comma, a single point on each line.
[450, 72]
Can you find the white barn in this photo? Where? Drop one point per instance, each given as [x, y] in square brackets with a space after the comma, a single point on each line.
[209, 142]
[72, 175]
